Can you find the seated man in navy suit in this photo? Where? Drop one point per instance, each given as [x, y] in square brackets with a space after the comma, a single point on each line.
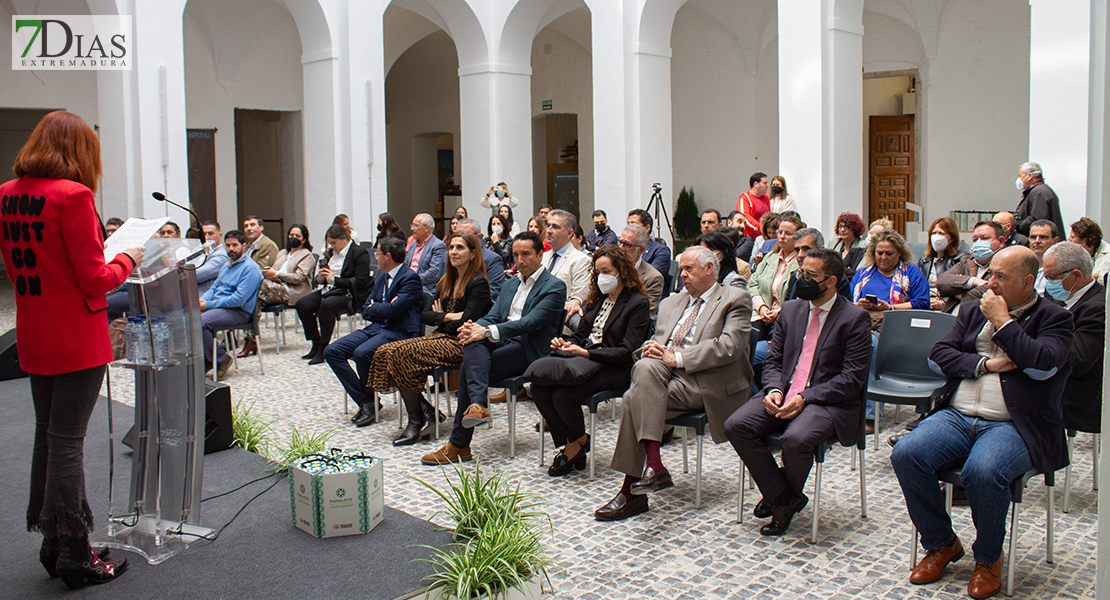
[516, 331]
[999, 416]
[393, 311]
[495, 267]
[814, 374]
[426, 254]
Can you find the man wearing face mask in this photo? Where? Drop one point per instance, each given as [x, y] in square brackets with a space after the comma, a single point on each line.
[499, 196]
[1067, 268]
[1038, 201]
[967, 280]
[601, 235]
[814, 374]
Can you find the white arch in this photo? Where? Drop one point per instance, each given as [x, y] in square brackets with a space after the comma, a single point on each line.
[524, 22]
[403, 30]
[458, 20]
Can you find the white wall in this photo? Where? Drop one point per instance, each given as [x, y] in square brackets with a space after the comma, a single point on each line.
[422, 96]
[722, 119]
[565, 76]
[269, 77]
[977, 98]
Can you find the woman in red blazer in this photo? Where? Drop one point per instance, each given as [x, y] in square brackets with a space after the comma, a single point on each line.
[53, 249]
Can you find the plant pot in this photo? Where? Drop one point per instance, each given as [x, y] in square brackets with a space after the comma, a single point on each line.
[532, 591]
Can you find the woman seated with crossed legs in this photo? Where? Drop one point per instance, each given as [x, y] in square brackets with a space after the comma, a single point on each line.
[461, 295]
[616, 323]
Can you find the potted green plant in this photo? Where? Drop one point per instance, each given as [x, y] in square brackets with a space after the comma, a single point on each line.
[498, 550]
[687, 223]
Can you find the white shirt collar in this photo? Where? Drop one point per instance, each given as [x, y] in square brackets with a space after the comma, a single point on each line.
[532, 279]
[1070, 302]
[827, 306]
[563, 251]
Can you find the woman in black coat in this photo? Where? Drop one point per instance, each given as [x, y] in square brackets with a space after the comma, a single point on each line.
[615, 324]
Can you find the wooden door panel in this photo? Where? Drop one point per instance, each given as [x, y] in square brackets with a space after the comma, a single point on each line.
[891, 166]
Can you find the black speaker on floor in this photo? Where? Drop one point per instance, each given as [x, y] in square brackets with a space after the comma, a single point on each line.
[218, 431]
[9, 358]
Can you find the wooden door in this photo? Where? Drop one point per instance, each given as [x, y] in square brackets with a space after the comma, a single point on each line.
[890, 170]
[201, 151]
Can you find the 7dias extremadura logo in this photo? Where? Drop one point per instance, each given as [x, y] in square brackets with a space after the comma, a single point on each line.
[72, 42]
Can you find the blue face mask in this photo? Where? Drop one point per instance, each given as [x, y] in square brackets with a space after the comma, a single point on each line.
[1055, 289]
[982, 251]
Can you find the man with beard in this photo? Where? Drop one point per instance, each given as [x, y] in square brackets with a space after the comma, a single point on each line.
[231, 300]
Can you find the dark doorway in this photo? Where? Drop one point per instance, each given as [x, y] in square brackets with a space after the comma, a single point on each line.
[269, 169]
[202, 172]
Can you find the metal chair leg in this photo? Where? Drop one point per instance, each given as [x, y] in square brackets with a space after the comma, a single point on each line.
[261, 368]
[1050, 542]
[878, 418]
[541, 441]
[862, 486]
[511, 401]
[593, 442]
[1094, 459]
[697, 478]
[215, 355]
[1067, 475]
[740, 494]
[913, 546]
[685, 463]
[816, 504]
[1010, 559]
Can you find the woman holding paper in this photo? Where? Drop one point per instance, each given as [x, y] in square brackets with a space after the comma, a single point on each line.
[56, 263]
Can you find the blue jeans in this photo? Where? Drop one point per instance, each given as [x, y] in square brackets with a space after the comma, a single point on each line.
[215, 317]
[993, 455]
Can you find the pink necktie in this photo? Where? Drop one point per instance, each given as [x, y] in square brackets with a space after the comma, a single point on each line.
[805, 361]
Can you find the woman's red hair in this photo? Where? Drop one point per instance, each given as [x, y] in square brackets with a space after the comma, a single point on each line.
[62, 146]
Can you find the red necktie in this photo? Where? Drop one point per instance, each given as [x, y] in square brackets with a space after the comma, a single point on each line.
[805, 361]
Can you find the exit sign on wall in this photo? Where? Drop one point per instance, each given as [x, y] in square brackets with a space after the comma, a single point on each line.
[547, 105]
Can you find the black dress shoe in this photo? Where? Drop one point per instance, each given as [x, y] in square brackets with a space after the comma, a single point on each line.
[319, 358]
[361, 414]
[564, 465]
[429, 426]
[368, 419]
[313, 352]
[621, 508]
[782, 515]
[762, 509]
[410, 435]
[651, 481]
[667, 436]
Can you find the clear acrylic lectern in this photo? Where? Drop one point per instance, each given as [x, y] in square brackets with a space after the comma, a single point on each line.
[163, 509]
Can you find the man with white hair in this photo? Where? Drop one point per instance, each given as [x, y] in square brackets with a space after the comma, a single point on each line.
[426, 254]
[697, 361]
[1038, 201]
[634, 239]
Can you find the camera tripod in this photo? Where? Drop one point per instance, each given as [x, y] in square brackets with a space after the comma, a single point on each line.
[656, 201]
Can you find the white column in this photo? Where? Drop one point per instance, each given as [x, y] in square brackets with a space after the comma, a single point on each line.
[1098, 145]
[365, 92]
[843, 187]
[1059, 72]
[802, 138]
[611, 191]
[652, 147]
[496, 130]
[320, 139]
[148, 108]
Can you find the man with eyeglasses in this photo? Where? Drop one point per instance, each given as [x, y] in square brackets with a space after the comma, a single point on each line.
[633, 240]
[426, 254]
[814, 374]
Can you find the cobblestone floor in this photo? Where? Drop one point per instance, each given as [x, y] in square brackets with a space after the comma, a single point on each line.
[675, 551]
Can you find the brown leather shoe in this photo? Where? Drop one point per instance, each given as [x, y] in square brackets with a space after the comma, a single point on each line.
[250, 348]
[449, 453]
[986, 580]
[652, 481]
[475, 415]
[931, 568]
[499, 397]
[221, 369]
[620, 508]
[869, 426]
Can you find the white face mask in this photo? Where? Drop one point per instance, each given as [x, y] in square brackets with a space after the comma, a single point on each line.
[497, 229]
[939, 242]
[1019, 184]
[607, 283]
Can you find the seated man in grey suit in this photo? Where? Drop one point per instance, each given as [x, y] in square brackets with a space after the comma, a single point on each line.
[697, 361]
[813, 376]
[495, 267]
[633, 241]
[426, 254]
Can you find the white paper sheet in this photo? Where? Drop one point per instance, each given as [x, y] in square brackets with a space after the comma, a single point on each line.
[133, 233]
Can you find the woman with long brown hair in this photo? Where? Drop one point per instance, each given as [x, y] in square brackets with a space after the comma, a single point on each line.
[616, 322]
[462, 295]
[387, 225]
[61, 330]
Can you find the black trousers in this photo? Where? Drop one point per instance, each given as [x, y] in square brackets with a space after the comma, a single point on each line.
[484, 361]
[63, 405]
[314, 307]
[561, 405]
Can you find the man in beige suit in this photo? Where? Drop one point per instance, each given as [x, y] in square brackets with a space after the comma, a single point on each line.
[570, 265]
[697, 361]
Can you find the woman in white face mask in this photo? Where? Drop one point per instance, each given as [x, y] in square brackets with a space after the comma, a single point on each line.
[941, 254]
[596, 358]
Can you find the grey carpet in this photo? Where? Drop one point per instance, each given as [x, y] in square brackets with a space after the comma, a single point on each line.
[260, 555]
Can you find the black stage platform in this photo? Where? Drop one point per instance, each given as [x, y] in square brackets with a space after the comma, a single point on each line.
[261, 555]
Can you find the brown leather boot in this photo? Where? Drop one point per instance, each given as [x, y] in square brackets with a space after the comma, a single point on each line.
[250, 348]
[986, 580]
[931, 568]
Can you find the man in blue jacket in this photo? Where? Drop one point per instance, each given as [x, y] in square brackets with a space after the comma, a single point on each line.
[231, 300]
[393, 311]
[1000, 415]
[516, 331]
